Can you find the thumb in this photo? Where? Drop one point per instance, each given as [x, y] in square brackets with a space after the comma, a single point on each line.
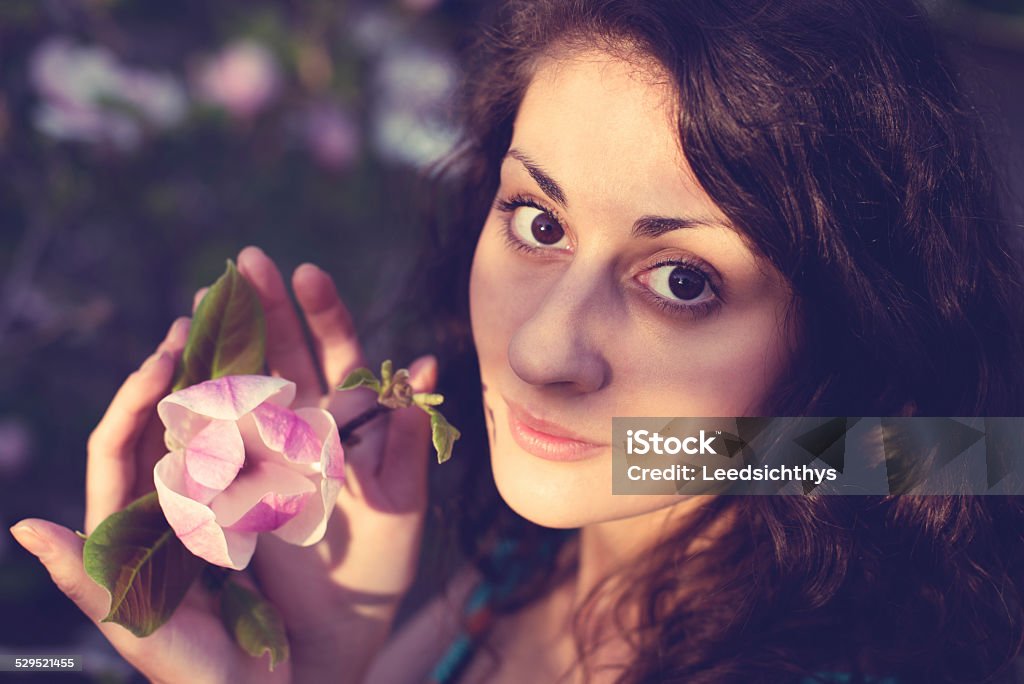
[60, 551]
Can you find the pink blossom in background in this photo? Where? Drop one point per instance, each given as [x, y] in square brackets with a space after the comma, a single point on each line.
[242, 79]
[15, 446]
[241, 463]
[331, 135]
[87, 95]
[421, 5]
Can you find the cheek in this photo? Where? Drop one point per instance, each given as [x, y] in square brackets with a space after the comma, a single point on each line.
[725, 367]
[500, 296]
[485, 298]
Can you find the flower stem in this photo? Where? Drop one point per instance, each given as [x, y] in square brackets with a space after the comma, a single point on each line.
[347, 430]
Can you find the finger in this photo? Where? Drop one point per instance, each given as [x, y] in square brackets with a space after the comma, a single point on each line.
[287, 353]
[404, 465]
[151, 444]
[60, 551]
[150, 447]
[339, 352]
[200, 293]
[334, 335]
[176, 337]
[111, 466]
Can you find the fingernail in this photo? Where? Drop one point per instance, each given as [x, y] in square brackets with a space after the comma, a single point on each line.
[178, 327]
[253, 249]
[27, 536]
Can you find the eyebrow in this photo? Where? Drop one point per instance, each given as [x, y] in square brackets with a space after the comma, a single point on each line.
[648, 227]
[652, 226]
[548, 184]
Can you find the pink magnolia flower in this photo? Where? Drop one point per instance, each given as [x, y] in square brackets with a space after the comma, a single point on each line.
[242, 463]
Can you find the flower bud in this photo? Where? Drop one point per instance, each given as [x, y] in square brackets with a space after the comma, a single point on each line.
[397, 392]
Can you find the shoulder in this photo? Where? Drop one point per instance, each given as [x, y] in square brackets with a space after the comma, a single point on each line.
[421, 641]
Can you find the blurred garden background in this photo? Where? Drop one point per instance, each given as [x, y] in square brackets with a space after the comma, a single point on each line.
[142, 143]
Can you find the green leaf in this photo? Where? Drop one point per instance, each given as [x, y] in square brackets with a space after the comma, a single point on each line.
[443, 434]
[134, 555]
[360, 377]
[228, 333]
[254, 622]
[428, 399]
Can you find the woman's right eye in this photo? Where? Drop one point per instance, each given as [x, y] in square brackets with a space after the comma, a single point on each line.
[537, 228]
[532, 226]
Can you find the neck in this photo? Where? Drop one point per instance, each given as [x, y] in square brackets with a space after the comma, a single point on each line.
[603, 549]
[606, 547]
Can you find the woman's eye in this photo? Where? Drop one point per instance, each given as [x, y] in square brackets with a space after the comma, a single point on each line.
[536, 228]
[680, 283]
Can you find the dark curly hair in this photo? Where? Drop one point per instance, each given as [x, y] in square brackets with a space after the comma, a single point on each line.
[833, 135]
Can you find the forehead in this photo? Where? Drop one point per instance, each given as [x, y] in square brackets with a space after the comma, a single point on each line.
[607, 127]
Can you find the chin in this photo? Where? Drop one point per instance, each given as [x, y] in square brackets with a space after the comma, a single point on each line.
[565, 495]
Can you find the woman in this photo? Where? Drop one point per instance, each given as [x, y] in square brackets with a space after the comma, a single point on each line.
[705, 208]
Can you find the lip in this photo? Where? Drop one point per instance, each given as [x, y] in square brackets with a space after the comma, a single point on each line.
[545, 439]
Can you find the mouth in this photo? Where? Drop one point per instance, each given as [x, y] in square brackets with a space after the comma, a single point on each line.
[547, 440]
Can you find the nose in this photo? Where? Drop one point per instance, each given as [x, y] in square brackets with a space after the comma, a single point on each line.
[561, 343]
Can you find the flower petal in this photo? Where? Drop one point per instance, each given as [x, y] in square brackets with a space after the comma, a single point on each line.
[213, 458]
[250, 490]
[309, 526]
[187, 411]
[288, 434]
[195, 524]
[332, 455]
[270, 512]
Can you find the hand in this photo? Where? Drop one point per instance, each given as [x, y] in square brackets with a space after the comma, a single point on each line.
[338, 597]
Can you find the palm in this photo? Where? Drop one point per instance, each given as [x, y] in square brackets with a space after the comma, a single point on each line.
[194, 646]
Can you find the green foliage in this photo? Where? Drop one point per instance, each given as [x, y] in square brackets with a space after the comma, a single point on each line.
[361, 377]
[228, 333]
[393, 391]
[135, 556]
[254, 623]
[428, 399]
[443, 434]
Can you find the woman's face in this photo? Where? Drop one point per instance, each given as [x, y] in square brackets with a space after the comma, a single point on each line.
[606, 283]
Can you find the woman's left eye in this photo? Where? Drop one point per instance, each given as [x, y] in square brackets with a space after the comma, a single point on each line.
[682, 285]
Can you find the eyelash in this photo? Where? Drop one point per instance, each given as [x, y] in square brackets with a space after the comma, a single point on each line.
[507, 206]
[694, 311]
